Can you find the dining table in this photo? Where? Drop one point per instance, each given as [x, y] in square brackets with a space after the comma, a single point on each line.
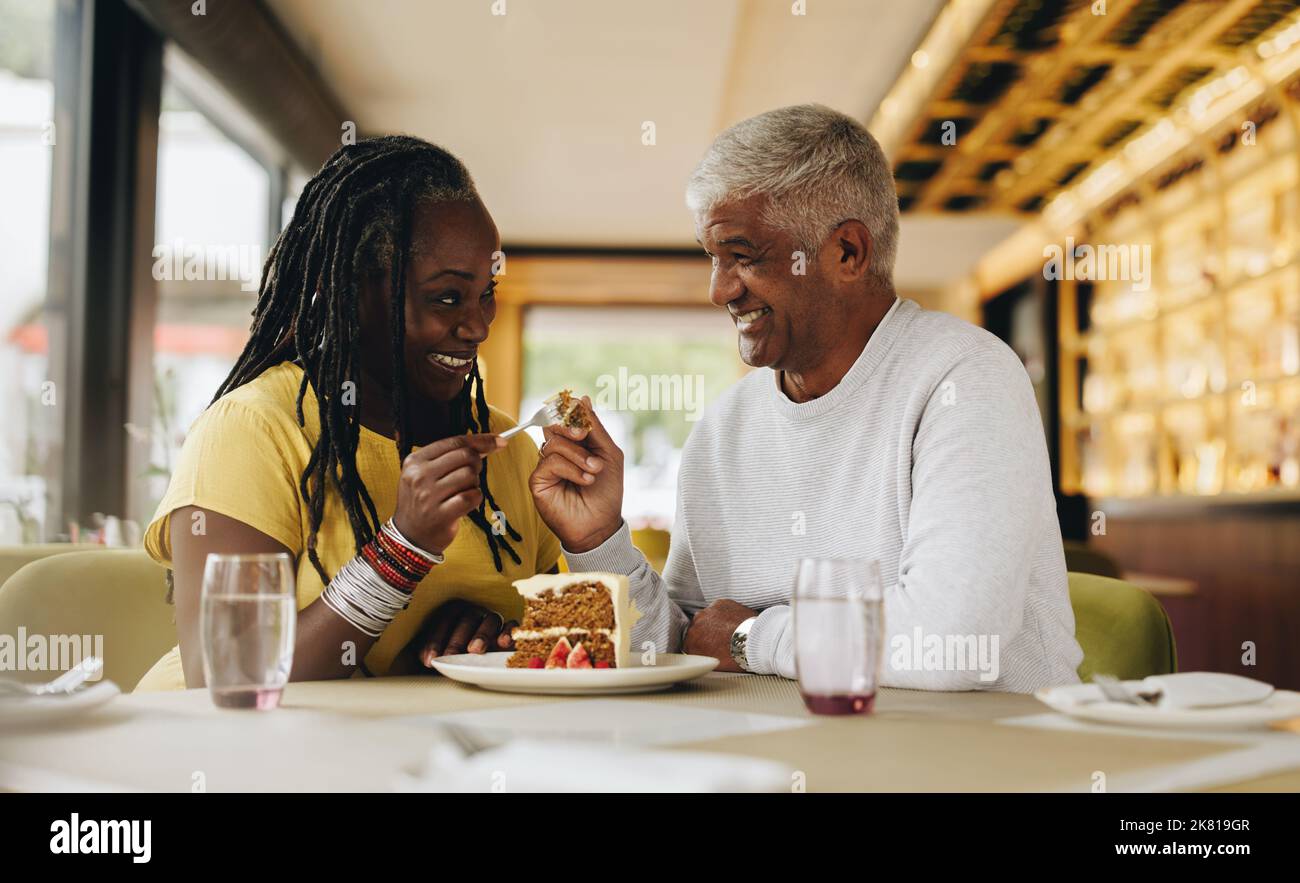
[377, 734]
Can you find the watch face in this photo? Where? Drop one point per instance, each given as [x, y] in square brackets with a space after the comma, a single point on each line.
[738, 639]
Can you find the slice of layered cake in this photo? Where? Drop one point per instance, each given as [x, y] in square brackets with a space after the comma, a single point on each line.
[574, 620]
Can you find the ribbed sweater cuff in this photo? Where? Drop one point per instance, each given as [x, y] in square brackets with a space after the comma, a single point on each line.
[615, 555]
[764, 637]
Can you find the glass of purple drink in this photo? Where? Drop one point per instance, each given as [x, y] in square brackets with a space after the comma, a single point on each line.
[839, 631]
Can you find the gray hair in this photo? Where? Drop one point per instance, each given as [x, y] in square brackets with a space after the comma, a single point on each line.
[817, 167]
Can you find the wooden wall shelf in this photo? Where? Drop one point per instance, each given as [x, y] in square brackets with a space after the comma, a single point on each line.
[1188, 388]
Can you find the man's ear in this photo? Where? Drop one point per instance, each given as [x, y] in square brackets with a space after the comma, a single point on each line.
[850, 248]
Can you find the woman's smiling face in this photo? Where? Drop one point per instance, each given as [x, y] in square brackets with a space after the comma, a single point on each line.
[450, 300]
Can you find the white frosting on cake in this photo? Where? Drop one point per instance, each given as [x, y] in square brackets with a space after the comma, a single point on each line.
[555, 632]
[625, 612]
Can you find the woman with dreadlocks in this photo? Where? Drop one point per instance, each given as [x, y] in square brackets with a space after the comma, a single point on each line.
[353, 432]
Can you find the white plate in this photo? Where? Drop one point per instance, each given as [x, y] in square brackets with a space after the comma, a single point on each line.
[25, 710]
[489, 670]
[1074, 700]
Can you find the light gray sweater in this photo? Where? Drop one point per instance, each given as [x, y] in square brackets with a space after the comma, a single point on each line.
[928, 457]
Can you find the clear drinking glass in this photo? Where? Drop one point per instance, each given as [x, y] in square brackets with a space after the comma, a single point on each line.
[839, 634]
[247, 623]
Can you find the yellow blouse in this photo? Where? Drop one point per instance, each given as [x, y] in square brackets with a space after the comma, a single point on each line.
[243, 458]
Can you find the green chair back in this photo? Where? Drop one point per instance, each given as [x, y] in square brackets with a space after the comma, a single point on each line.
[1122, 629]
[120, 594]
[14, 558]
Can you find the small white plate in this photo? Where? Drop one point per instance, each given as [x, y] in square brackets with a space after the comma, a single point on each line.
[489, 670]
[18, 710]
[1078, 700]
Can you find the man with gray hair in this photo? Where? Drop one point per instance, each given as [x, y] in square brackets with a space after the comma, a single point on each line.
[873, 429]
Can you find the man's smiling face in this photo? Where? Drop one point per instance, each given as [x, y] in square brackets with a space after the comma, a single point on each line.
[784, 320]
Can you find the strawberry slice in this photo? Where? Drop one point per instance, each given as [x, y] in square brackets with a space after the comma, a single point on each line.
[560, 654]
[579, 658]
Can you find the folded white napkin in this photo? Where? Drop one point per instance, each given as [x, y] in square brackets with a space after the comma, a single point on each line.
[538, 766]
[1206, 689]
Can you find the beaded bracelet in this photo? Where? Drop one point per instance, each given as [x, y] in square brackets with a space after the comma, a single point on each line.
[393, 571]
[389, 529]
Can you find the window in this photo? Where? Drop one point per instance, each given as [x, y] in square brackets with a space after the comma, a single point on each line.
[650, 372]
[214, 225]
[29, 447]
[78, 99]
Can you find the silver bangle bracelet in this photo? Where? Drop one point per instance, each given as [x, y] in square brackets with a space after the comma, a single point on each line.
[361, 597]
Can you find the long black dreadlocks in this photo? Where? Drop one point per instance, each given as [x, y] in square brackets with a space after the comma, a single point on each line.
[353, 218]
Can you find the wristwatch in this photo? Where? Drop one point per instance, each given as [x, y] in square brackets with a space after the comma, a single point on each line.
[739, 638]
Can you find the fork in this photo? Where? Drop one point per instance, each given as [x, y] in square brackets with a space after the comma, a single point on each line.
[1115, 691]
[65, 683]
[547, 414]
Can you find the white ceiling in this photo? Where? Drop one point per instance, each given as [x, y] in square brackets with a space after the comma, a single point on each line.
[546, 103]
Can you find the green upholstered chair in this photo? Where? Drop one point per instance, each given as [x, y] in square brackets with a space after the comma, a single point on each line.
[1082, 558]
[13, 558]
[118, 593]
[1122, 629]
